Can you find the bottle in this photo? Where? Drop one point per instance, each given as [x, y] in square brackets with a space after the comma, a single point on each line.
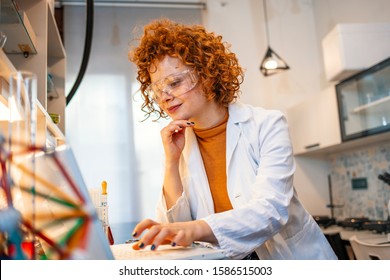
[104, 208]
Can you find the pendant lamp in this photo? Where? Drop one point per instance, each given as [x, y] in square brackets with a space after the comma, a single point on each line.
[272, 63]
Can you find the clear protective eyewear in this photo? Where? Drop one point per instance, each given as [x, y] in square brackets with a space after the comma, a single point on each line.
[174, 85]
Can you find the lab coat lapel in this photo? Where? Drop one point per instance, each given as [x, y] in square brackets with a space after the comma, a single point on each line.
[233, 134]
[198, 188]
[237, 114]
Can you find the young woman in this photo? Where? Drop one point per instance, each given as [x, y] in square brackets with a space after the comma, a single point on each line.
[228, 166]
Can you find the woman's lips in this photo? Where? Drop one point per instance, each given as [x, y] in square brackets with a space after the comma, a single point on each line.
[172, 109]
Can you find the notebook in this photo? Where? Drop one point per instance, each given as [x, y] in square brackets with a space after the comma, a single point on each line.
[66, 216]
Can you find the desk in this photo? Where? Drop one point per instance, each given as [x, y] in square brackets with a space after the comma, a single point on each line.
[366, 235]
[339, 237]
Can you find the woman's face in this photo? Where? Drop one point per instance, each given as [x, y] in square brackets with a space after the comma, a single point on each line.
[177, 90]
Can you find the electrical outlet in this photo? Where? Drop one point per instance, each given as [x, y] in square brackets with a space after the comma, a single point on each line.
[359, 183]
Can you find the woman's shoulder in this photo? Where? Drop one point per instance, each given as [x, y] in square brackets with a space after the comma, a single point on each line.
[246, 111]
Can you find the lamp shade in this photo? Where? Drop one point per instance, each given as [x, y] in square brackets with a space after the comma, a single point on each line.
[272, 63]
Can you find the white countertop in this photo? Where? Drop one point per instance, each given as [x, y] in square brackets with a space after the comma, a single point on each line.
[365, 235]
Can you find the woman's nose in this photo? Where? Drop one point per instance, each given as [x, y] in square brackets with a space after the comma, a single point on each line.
[166, 96]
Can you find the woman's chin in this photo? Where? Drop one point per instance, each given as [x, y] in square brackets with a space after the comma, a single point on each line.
[176, 117]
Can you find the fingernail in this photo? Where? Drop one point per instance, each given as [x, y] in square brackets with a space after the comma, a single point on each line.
[134, 234]
[153, 247]
[141, 245]
[173, 244]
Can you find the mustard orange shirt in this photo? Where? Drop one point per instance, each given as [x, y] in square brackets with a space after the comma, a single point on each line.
[212, 145]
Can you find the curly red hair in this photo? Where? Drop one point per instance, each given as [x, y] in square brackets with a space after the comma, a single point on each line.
[217, 68]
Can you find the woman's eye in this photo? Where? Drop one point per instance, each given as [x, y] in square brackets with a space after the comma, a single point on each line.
[175, 83]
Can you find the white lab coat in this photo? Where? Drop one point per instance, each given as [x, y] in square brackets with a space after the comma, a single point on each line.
[266, 216]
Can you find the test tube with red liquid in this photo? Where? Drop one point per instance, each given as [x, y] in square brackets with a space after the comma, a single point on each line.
[104, 213]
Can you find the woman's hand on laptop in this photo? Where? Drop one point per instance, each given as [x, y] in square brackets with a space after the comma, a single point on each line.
[176, 234]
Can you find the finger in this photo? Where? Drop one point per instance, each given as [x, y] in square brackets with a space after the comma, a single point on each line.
[168, 131]
[136, 246]
[163, 236]
[180, 239]
[176, 126]
[141, 226]
[156, 231]
[148, 237]
[182, 123]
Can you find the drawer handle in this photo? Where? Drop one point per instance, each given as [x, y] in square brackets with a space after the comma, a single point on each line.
[316, 145]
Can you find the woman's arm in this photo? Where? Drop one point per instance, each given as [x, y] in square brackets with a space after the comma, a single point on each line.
[173, 138]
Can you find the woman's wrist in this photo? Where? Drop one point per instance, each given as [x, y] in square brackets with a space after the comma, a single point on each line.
[202, 232]
[172, 187]
[171, 166]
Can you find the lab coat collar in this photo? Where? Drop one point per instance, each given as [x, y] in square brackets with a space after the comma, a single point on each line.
[238, 113]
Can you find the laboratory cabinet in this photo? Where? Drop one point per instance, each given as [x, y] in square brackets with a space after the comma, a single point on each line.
[314, 123]
[33, 44]
[364, 102]
[352, 114]
[352, 47]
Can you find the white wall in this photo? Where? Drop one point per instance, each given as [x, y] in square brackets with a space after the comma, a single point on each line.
[292, 36]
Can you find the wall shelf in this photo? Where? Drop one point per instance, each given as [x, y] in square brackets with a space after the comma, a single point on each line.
[377, 106]
[15, 24]
[50, 59]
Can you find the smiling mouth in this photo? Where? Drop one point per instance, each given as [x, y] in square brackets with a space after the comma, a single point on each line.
[173, 108]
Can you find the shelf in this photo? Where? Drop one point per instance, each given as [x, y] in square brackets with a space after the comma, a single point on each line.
[21, 38]
[55, 48]
[44, 123]
[49, 60]
[51, 127]
[6, 66]
[56, 65]
[52, 92]
[377, 106]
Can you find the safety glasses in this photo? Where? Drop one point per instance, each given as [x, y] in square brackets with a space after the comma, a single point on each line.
[173, 85]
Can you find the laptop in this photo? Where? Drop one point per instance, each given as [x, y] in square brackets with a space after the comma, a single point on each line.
[197, 251]
[66, 220]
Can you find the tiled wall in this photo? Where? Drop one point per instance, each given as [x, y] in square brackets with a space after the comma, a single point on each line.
[369, 162]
